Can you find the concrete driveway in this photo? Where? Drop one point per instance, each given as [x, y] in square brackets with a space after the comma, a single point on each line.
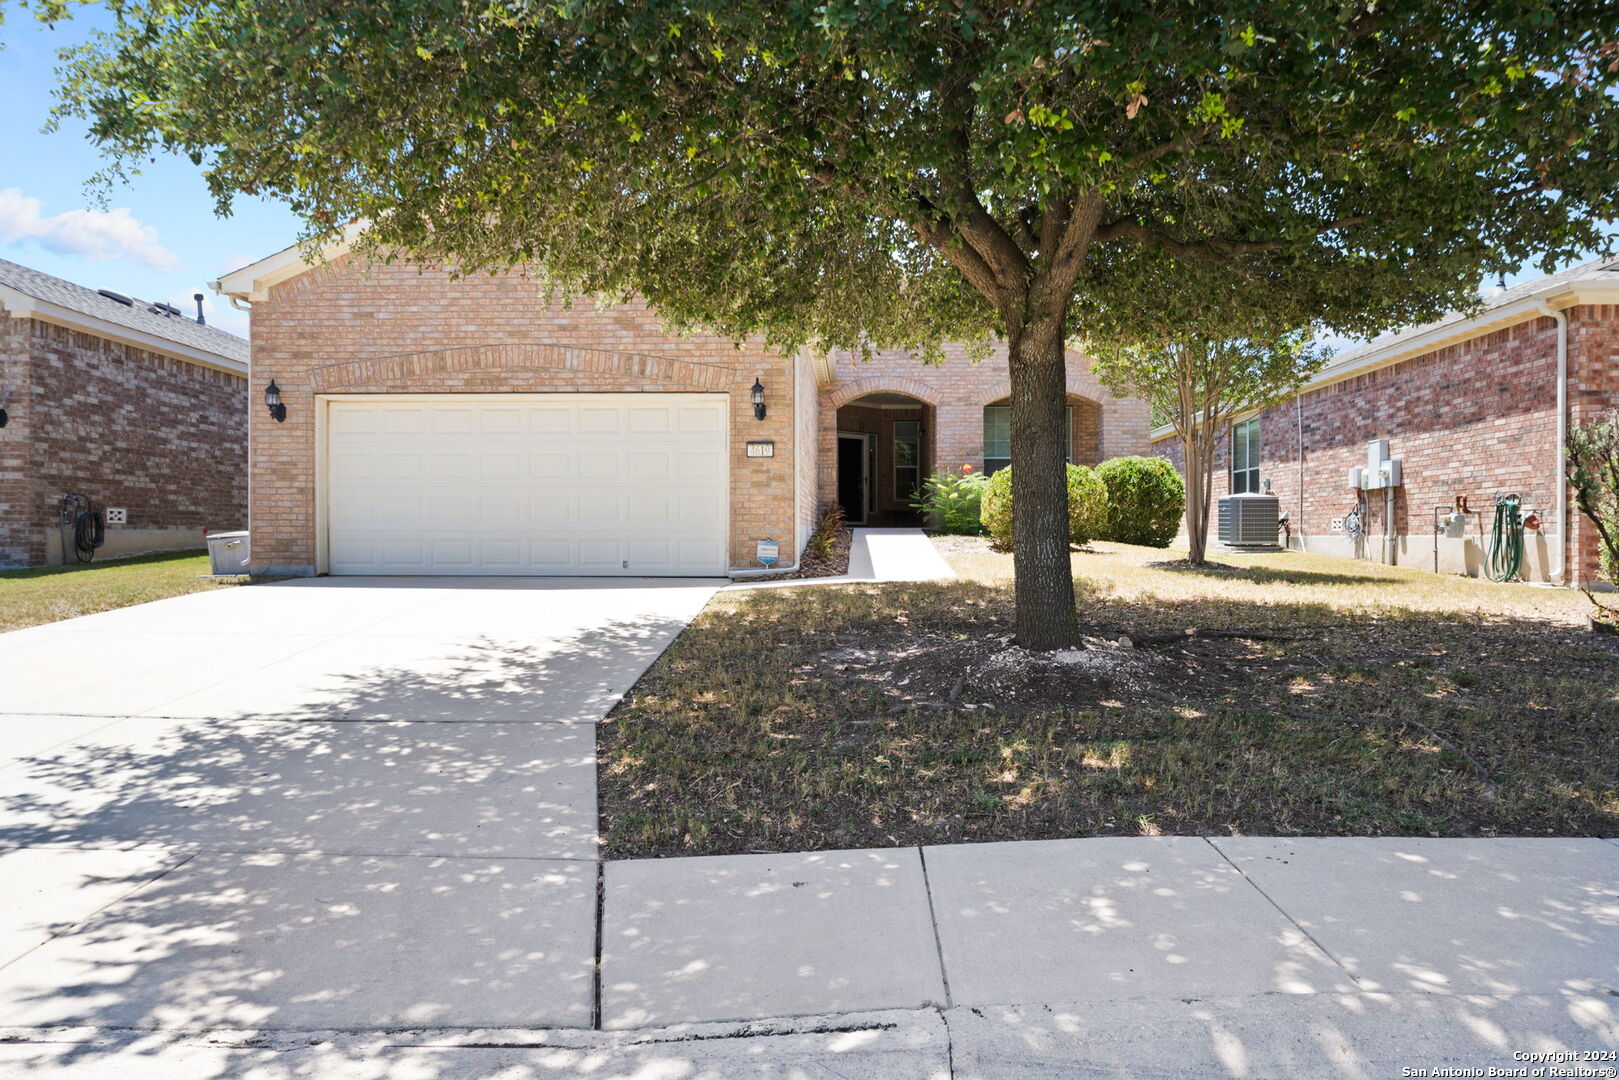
[335, 803]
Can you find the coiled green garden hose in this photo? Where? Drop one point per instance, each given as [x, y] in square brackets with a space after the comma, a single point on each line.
[1504, 559]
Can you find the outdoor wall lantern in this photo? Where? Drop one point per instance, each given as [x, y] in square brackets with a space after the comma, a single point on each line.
[4, 419]
[758, 400]
[272, 401]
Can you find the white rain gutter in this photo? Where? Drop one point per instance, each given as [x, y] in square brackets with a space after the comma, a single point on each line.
[1563, 531]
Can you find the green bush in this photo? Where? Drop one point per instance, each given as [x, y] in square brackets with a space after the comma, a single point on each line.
[1087, 506]
[1145, 500]
[951, 501]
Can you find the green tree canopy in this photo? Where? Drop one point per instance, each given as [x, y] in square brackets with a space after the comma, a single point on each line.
[859, 173]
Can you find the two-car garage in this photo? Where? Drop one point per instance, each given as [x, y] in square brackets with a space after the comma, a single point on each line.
[542, 484]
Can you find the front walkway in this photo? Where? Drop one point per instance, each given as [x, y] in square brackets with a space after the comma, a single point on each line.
[347, 829]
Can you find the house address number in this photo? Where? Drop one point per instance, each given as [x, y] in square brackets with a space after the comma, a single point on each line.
[765, 448]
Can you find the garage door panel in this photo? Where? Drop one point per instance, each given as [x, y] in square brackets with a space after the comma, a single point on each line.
[699, 465]
[552, 484]
[552, 510]
[500, 419]
[550, 465]
[450, 508]
[500, 510]
[599, 466]
[646, 465]
[600, 510]
[552, 555]
[453, 554]
[697, 509]
[694, 420]
[600, 420]
[649, 419]
[451, 467]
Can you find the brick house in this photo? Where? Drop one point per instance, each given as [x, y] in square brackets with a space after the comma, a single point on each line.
[139, 408]
[1469, 404]
[437, 425]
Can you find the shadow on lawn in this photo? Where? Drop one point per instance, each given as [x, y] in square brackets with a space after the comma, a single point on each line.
[1267, 575]
[856, 716]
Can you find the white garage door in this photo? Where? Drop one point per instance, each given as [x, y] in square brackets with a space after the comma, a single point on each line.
[591, 484]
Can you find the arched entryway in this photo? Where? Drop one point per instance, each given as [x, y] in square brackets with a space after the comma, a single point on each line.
[884, 452]
[1084, 432]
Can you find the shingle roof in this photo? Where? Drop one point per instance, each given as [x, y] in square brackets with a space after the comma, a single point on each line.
[180, 329]
[1596, 270]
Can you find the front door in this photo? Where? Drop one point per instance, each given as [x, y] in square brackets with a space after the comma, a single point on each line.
[853, 477]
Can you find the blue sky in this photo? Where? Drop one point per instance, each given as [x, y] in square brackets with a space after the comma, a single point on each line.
[156, 238]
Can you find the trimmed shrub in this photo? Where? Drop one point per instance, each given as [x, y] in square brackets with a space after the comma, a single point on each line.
[952, 501]
[1087, 506]
[1145, 500]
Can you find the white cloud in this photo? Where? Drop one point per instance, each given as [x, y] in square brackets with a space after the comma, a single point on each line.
[97, 235]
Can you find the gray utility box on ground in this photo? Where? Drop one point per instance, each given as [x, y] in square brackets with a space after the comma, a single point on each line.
[228, 553]
[1250, 521]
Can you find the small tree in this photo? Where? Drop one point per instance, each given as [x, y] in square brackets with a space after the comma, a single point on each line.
[1200, 384]
[1593, 473]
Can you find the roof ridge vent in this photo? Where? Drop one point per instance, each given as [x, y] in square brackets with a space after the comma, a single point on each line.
[127, 301]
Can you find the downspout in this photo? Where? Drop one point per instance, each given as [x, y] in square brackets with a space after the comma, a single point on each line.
[1564, 533]
[1298, 409]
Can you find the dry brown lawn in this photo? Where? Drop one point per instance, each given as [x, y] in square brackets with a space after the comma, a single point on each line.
[1279, 694]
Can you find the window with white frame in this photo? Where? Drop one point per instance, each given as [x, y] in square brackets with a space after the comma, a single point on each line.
[998, 438]
[907, 459]
[1245, 456]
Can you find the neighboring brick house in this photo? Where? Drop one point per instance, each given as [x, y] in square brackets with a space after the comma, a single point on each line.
[478, 425]
[1469, 404]
[138, 409]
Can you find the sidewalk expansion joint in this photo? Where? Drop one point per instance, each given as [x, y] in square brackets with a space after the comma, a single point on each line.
[1311, 938]
[933, 917]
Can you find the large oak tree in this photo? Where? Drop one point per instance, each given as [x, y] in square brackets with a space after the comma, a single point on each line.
[880, 173]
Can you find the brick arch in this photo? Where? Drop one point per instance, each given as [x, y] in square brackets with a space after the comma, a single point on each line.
[624, 365]
[1079, 386]
[884, 384]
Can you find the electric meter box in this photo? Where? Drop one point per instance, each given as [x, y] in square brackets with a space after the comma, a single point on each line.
[1357, 478]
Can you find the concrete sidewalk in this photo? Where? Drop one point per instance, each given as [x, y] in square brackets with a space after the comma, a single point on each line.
[901, 554]
[1117, 957]
[1108, 920]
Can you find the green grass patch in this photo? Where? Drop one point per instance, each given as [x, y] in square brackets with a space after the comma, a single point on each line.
[47, 594]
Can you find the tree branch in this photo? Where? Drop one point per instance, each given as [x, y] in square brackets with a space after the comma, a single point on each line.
[1216, 251]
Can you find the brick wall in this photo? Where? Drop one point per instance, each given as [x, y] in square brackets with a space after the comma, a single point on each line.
[1473, 419]
[1105, 426]
[1593, 349]
[160, 437]
[20, 540]
[806, 448]
[351, 328]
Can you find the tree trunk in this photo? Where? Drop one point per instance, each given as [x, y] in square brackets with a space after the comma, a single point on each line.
[1197, 446]
[1045, 616]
